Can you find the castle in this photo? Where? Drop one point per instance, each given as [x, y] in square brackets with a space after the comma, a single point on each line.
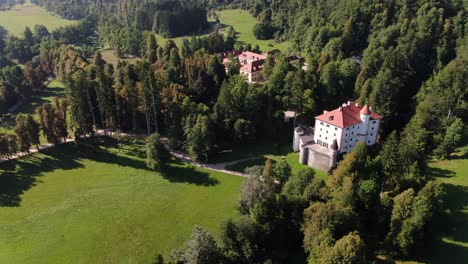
[335, 132]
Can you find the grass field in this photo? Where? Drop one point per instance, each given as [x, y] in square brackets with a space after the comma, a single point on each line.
[54, 89]
[101, 205]
[453, 245]
[243, 23]
[17, 19]
[109, 56]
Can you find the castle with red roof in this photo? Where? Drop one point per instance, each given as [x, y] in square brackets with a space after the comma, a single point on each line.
[336, 131]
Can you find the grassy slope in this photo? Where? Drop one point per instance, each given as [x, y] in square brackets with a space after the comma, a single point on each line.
[453, 246]
[16, 20]
[105, 207]
[243, 22]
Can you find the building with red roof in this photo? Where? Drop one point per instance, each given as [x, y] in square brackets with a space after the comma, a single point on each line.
[336, 131]
[251, 63]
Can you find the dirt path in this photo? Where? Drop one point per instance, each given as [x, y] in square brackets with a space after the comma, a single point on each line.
[219, 167]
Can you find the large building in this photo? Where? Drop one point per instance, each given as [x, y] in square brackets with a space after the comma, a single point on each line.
[251, 64]
[335, 132]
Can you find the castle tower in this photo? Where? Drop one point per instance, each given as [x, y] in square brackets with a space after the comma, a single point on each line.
[334, 148]
[365, 114]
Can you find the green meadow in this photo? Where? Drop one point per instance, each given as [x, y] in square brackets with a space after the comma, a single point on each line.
[91, 204]
[243, 23]
[20, 17]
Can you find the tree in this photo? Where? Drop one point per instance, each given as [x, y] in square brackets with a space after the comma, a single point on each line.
[33, 130]
[452, 138]
[297, 183]
[157, 155]
[200, 138]
[244, 131]
[202, 248]
[349, 249]
[268, 170]
[282, 171]
[21, 130]
[47, 121]
[151, 47]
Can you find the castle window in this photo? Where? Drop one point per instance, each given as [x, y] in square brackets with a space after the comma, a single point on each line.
[347, 128]
[353, 126]
[328, 125]
[334, 135]
[346, 141]
[373, 122]
[346, 135]
[368, 141]
[352, 133]
[321, 123]
[371, 134]
[373, 128]
[336, 128]
[320, 135]
[326, 138]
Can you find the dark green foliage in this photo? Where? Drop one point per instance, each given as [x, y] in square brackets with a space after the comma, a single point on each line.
[201, 248]
[156, 153]
[297, 183]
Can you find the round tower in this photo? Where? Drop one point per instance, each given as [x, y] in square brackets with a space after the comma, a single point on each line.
[365, 114]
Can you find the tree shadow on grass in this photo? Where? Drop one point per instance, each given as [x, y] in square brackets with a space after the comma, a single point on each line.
[177, 172]
[452, 225]
[434, 172]
[18, 176]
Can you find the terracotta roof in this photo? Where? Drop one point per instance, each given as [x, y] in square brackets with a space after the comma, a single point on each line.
[225, 54]
[248, 55]
[345, 116]
[365, 110]
[254, 66]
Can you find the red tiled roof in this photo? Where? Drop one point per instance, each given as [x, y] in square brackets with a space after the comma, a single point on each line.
[346, 116]
[253, 66]
[248, 55]
[225, 54]
[365, 110]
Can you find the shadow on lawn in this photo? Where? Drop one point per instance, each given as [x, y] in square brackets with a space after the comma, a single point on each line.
[177, 172]
[18, 176]
[451, 225]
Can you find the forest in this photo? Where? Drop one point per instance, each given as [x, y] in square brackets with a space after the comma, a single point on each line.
[408, 59]
[166, 17]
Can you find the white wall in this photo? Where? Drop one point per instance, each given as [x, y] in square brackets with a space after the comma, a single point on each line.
[326, 133]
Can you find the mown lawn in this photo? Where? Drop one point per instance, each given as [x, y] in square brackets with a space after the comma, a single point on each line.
[101, 205]
[20, 17]
[243, 23]
[53, 89]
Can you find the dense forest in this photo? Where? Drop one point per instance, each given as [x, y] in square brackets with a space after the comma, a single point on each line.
[408, 59]
[169, 18]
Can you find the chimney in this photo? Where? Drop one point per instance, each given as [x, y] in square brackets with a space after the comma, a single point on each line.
[344, 105]
[325, 111]
[357, 104]
[370, 108]
[339, 109]
[330, 118]
[349, 102]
